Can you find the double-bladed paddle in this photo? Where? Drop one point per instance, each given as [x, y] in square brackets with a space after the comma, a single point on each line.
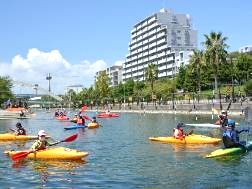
[24, 154]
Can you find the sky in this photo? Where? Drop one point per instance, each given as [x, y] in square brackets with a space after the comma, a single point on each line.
[72, 39]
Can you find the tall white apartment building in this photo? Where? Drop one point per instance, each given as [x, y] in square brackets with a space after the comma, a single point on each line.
[158, 39]
[114, 73]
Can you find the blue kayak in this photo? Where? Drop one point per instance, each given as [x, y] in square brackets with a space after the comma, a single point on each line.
[75, 127]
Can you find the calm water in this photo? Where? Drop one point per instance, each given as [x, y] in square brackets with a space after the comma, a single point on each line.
[121, 156]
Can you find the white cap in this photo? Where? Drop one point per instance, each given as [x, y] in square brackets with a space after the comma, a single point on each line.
[41, 133]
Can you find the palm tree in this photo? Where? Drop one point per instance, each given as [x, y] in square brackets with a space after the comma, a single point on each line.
[197, 62]
[151, 74]
[215, 53]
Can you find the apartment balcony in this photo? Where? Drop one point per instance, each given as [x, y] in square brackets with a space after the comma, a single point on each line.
[152, 45]
[162, 68]
[161, 48]
[161, 54]
[134, 69]
[161, 41]
[145, 41]
[145, 35]
[133, 30]
[153, 51]
[152, 32]
[145, 47]
[152, 19]
[160, 35]
[163, 74]
[133, 35]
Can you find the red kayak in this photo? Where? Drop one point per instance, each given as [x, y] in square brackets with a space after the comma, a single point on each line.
[62, 118]
[104, 115]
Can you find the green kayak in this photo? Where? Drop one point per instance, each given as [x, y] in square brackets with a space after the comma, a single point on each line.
[230, 151]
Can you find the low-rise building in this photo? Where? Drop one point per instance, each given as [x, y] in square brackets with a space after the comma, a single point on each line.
[114, 73]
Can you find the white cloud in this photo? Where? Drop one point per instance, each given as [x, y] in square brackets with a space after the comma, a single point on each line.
[37, 64]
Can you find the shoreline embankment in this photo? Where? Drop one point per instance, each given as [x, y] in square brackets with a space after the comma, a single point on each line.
[194, 109]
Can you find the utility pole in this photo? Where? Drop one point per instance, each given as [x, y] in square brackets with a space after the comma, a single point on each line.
[49, 77]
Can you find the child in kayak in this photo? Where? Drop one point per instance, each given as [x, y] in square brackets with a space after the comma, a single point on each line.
[230, 136]
[93, 120]
[20, 130]
[41, 143]
[178, 132]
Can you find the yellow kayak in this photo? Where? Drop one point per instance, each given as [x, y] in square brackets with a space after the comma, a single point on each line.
[12, 136]
[54, 153]
[191, 139]
[93, 125]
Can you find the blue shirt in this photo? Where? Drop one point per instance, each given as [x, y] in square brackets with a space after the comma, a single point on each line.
[232, 134]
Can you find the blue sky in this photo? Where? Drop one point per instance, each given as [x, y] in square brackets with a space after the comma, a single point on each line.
[96, 33]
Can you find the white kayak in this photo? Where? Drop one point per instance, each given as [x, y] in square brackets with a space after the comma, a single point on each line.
[207, 125]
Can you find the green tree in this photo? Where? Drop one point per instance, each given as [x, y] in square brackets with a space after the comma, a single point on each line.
[5, 89]
[248, 87]
[215, 53]
[151, 74]
[244, 67]
[197, 62]
[180, 77]
[102, 84]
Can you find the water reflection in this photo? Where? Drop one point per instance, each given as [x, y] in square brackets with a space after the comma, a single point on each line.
[48, 168]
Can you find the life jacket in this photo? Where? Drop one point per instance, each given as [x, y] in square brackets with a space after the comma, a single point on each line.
[177, 133]
[21, 131]
[40, 145]
[80, 121]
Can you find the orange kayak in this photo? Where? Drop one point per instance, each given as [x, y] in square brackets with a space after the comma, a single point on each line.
[93, 125]
[191, 139]
[11, 136]
[53, 153]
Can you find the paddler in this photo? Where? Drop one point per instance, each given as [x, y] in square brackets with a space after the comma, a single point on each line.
[178, 132]
[20, 130]
[75, 118]
[230, 136]
[80, 120]
[41, 143]
[93, 120]
[223, 118]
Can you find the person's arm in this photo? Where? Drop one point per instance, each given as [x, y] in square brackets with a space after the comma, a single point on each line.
[243, 130]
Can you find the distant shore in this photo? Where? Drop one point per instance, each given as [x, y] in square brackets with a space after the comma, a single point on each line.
[236, 113]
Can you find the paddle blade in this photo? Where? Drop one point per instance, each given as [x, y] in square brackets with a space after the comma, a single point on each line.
[20, 155]
[71, 138]
[86, 117]
[84, 108]
[215, 111]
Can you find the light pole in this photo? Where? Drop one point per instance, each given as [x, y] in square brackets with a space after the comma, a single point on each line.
[49, 77]
[36, 89]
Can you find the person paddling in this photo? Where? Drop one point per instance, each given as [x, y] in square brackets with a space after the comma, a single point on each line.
[230, 135]
[178, 132]
[223, 118]
[20, 130]
[80, 120]
[93, 120]
[41, 143]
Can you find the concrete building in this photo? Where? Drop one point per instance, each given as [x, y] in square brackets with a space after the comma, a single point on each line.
[114, 73]
[246, 49]
[158, 39]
